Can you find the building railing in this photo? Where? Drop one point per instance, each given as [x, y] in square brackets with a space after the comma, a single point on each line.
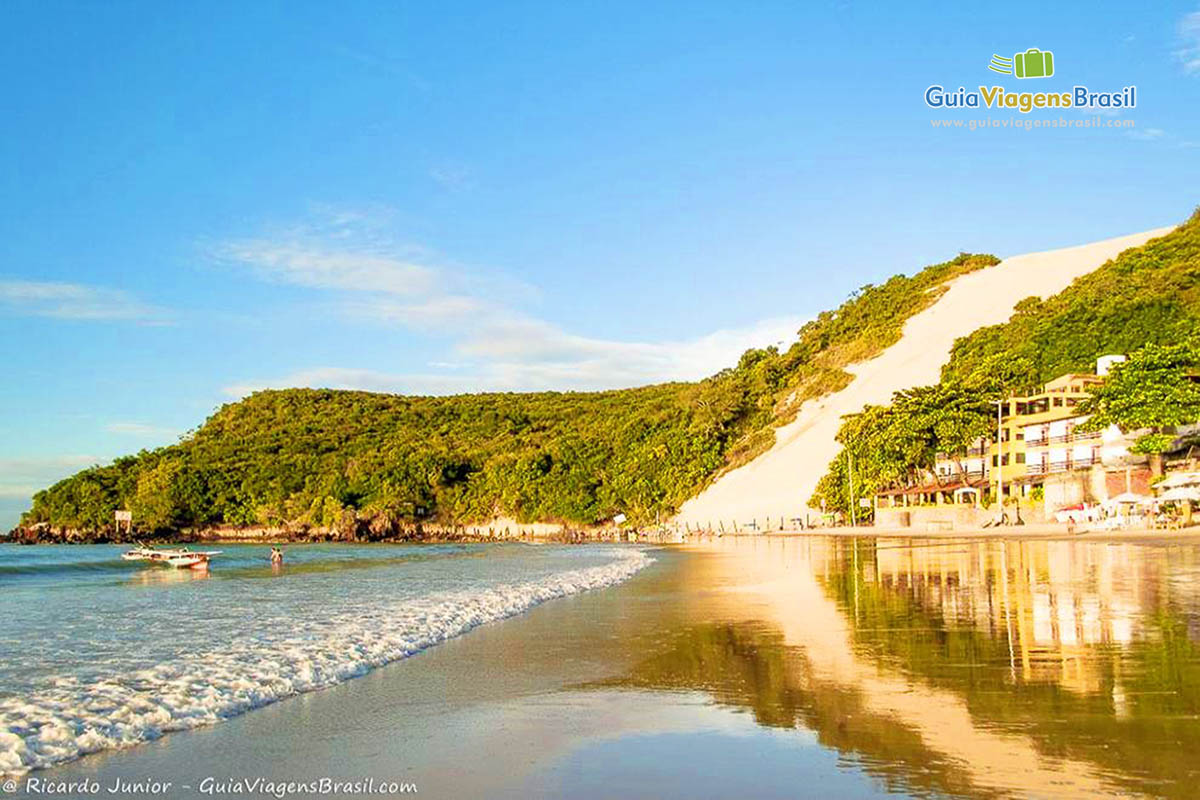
[1063, 438]
[1045, 468]
[972, 452]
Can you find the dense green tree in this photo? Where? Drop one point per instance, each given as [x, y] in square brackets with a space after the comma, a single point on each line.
[319, 457]
[1146, 295]
[898, 443]
[1155, 390]
[1145, 301]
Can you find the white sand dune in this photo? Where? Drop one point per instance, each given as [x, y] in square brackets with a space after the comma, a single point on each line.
[778, 483]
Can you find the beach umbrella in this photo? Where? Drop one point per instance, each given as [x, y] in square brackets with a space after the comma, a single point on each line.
[1180, 494]
[1129, 498]
[1180, 479]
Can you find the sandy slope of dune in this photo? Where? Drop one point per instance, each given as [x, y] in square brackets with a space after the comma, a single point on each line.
[778, 483]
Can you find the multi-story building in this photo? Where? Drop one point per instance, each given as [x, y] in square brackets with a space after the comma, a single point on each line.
[1049, 416]
[971, 465]
[1052, 447]
[1037, 436]
[1040, 452]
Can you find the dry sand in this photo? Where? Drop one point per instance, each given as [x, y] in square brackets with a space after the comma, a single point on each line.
[778, 483]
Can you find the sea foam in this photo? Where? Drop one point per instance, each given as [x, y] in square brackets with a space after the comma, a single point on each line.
[72, 717]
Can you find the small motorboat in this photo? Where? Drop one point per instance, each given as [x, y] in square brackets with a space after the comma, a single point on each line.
[180, 559]
[138, 554]
[192, 560]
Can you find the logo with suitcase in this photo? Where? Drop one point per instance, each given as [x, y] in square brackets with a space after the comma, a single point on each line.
[1033, 63]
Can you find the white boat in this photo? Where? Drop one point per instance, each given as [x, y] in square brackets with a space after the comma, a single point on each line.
[139, 554]
[180, 559]
[191, 560]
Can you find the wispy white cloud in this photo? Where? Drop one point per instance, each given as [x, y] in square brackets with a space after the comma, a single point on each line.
[509, 348]
[363, 380]
[140, 429]
[21, 477]
[542, 357]
[300, 265]
[1189, 36]
[74, 301]
[1147, 134]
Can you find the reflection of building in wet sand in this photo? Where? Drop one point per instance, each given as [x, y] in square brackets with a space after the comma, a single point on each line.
[1019, 669]
[1054, 602]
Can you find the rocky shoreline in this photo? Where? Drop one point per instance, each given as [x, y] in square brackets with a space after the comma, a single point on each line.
[362, 530]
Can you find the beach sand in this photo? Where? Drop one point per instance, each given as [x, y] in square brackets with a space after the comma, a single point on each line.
[779, 483]
[725, 669]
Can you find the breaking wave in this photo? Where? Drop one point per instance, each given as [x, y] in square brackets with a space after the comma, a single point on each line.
[73, 718]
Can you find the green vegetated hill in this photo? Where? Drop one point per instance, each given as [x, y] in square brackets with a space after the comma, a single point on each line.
[1146, 295]
[323, 458]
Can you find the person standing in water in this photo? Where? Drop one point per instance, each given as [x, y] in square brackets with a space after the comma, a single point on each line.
[276, 557]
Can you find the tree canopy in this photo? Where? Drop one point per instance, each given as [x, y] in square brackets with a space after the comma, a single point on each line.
[1155, 389]
[1144, 302]
[897, 443]
[312, 457]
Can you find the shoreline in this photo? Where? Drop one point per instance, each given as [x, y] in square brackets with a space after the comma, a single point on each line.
[663, 537]
[242, 676]
[1023, 532]
[730, 663]
[497, 531]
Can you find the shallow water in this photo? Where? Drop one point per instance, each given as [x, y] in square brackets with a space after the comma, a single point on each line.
[98, 653]
[967, 668]
[772, 667]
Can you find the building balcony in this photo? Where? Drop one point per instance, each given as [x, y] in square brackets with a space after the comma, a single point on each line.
[1065, 438]
[1062, 466]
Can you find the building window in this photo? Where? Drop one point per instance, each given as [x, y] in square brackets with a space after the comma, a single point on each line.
[1058, 402]
[1020, 458]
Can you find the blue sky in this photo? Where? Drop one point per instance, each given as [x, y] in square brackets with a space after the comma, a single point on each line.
[200, 200]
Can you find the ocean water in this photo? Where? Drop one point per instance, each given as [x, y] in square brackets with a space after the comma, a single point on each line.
[99, 653]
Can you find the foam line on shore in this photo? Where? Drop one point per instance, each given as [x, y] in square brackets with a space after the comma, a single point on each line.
[74, 718]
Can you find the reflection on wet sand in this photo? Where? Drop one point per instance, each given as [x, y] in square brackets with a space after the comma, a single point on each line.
[1042, 669]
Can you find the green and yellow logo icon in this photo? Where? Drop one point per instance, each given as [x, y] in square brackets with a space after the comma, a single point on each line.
[1033, 63]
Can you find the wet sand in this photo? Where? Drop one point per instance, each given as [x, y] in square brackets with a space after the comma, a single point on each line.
[755, 666]
[1047, 531]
